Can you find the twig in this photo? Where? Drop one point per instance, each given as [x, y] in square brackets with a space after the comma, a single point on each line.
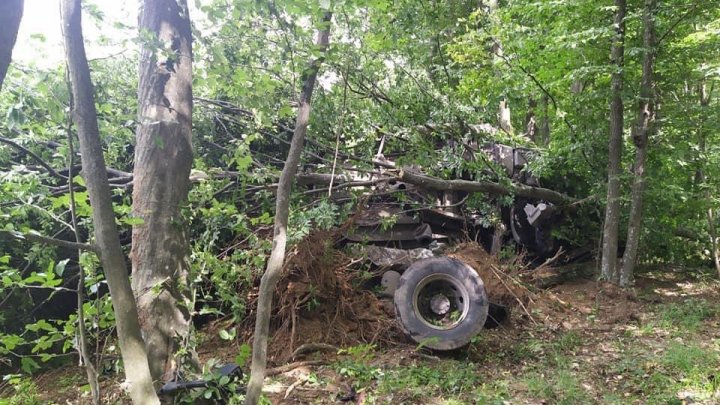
[425, 356]
[551, 260]
[676, 23]
[496, 271]
[298, 382]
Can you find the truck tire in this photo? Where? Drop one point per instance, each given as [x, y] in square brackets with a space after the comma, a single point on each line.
[441, 303]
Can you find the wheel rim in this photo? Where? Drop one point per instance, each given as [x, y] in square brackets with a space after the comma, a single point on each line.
[441, 301]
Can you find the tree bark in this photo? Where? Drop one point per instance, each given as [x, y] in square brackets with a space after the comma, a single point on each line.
[163, 159]
[132, 347]
[282, 210]
[609, 269]
[644, 126]
[11, 12]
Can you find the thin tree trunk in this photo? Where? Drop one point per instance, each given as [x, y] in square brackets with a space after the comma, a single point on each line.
[642, 130]
[701, 178]
[498, 233]
[712, 227]
[531, 127]
[504, 117]
[11, 12]
[132, 347]
[544, 129]
[608, 267]
[282, 210]
[163, 159]
[85, 359]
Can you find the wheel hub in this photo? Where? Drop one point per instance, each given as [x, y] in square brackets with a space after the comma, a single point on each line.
[440, 304]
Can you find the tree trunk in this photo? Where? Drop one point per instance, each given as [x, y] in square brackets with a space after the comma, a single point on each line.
[163, 159]
[609, 269]
[499, 233]
[713, 237]
[132, 347]
[10, 15]
[282, 210]
[504, 117]
[81, 334]
[544, 129]
[531, 127]
[701, 178]
[643, 128]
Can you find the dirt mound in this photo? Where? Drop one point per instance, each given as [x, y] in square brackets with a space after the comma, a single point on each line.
[502, 287]
[320, 299]
[574, 298]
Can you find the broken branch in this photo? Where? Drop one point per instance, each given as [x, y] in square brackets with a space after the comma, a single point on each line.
[421, 180]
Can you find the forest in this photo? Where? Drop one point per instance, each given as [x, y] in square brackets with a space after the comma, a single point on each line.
[359, 201]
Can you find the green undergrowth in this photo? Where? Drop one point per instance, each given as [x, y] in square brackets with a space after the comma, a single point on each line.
[679, 361]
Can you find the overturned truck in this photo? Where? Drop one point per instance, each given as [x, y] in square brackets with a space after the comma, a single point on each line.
[441, 302]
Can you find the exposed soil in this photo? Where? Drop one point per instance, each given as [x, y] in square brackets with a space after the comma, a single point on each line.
[319, 299]
[502, 285]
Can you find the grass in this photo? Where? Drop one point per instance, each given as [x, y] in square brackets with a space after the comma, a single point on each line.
[686, 316]
[565, 368]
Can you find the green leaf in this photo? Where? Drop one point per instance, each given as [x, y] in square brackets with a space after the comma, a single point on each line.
[28, 365]
[243, 355]
[132, 221]
[12, 341]
[225, 335]
[60, 267]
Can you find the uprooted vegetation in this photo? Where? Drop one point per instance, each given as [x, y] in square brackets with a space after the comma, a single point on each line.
[320, 299]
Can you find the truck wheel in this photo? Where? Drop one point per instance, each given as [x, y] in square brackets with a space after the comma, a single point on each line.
[441, 303]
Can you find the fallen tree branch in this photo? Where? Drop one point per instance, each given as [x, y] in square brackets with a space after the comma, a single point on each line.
[349, 184]
[34, 156]
[312, 347]
[421, 180]
[292, 366]
[34, 237]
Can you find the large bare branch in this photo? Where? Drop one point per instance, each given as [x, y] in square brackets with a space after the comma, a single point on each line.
[520, 190]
